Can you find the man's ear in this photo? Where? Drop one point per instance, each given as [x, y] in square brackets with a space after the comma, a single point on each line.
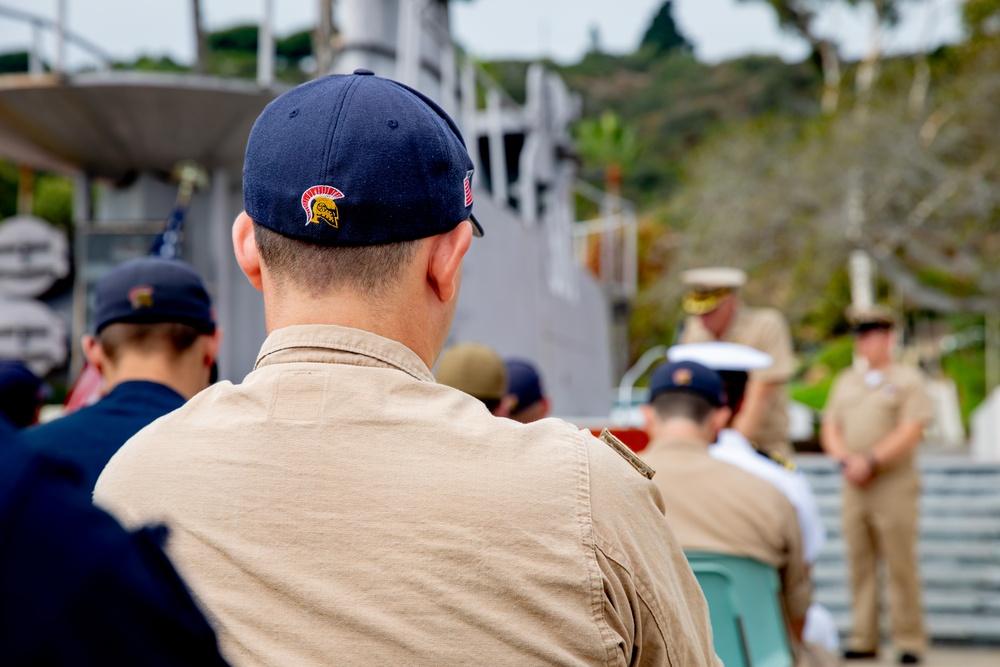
[93, 352]
[648, 418]
[444, 264]
[720, 417]
[245, 248]
[212, 343]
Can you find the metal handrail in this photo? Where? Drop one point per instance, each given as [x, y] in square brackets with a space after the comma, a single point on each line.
[41, 22]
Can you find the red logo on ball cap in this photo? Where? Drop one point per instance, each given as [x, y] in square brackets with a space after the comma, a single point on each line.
[468, 188]
[141, 296]
[682, 377]
[318, 203]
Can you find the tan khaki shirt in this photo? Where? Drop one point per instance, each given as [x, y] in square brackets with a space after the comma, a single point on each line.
[341, 508]
[715, 506]
[867, 406]
[764, 329]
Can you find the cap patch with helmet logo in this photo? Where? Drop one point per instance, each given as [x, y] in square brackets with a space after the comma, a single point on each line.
[319, 205]
[141, 296]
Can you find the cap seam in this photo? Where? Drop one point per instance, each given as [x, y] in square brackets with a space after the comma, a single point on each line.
[332, 138]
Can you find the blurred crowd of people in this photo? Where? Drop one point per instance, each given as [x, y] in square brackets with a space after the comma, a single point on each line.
[342, 505]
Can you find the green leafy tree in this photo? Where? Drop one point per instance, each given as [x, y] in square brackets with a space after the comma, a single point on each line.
[14, 62]
[799, 17]
[662, 34]
[609, 143]
[981, 17]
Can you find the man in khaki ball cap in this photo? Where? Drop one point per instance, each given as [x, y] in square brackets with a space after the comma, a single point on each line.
[873, 422]
[716, 313]
[478, 371]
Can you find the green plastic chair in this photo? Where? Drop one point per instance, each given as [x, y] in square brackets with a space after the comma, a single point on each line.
[756, 592]
[728, 637]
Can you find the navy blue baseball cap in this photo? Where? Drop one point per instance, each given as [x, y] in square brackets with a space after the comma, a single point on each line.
[151, 290]
[354, 160]
[690, 377]
[21, 392]
[524, 383]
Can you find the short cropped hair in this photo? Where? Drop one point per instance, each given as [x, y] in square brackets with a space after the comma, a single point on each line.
[682, 404]
[173, 338]
[372, 271]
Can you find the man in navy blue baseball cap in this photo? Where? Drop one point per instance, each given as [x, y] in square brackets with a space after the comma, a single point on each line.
[339, 492]
[154, 343]
[688, 377]
[717, 507]
[526, 388]
[21, 393]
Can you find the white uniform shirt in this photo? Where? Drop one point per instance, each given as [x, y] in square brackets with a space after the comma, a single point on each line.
[736, 450]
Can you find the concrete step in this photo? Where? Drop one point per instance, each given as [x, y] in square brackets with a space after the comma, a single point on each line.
[934, 575]
[947, 627]
[936, 601]
[932, 504]
[967, 552]
[963, 485]
[982, 528]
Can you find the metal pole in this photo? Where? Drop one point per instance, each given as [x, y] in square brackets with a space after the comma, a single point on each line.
[60, 63]
[469, 129]
[25, 189]
[862, 273]
[82, 224]
[200, 44]
[323, 40]
[222, 259]
[265, 47]
[35, 66]
[498, 154]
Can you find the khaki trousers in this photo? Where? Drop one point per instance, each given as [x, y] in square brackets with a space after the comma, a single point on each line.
[880, 524]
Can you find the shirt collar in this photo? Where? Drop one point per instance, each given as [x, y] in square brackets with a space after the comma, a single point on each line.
[328, 343]
[679, 445]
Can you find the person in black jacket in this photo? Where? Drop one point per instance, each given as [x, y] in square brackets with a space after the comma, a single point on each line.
[78, 589]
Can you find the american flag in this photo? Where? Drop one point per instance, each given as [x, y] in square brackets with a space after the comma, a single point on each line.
[468, 188]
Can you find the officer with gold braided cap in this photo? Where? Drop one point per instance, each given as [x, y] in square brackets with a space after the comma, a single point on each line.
[717, 313]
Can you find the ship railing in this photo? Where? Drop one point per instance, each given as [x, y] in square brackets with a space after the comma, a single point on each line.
[64, 38]
[608, 245]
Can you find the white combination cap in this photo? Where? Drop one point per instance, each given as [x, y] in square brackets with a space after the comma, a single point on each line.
[721, 356]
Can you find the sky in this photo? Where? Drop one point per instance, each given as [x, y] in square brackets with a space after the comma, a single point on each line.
[525, 29]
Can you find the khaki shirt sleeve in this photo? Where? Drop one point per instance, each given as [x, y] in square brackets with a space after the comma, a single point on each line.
[652, 601]
[796, 585]
[834, 400]
[774, 337]
[916, 405]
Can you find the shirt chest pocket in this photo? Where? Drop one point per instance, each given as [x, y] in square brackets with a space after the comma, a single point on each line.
[885, 400]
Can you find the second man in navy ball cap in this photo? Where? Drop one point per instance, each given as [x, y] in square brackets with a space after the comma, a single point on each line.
[340, 506]
[154, 344]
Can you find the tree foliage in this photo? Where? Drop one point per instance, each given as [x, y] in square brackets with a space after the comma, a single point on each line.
[774, 196]
[662, 35]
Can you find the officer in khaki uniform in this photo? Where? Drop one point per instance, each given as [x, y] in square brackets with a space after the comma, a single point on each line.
[873, 422]
[340, 507]
[716, 313]
[713, 505]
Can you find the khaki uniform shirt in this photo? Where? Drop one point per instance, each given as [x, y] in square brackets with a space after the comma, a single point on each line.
[868, 405]
[714, 506]
[764, 329]
[341, 508]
